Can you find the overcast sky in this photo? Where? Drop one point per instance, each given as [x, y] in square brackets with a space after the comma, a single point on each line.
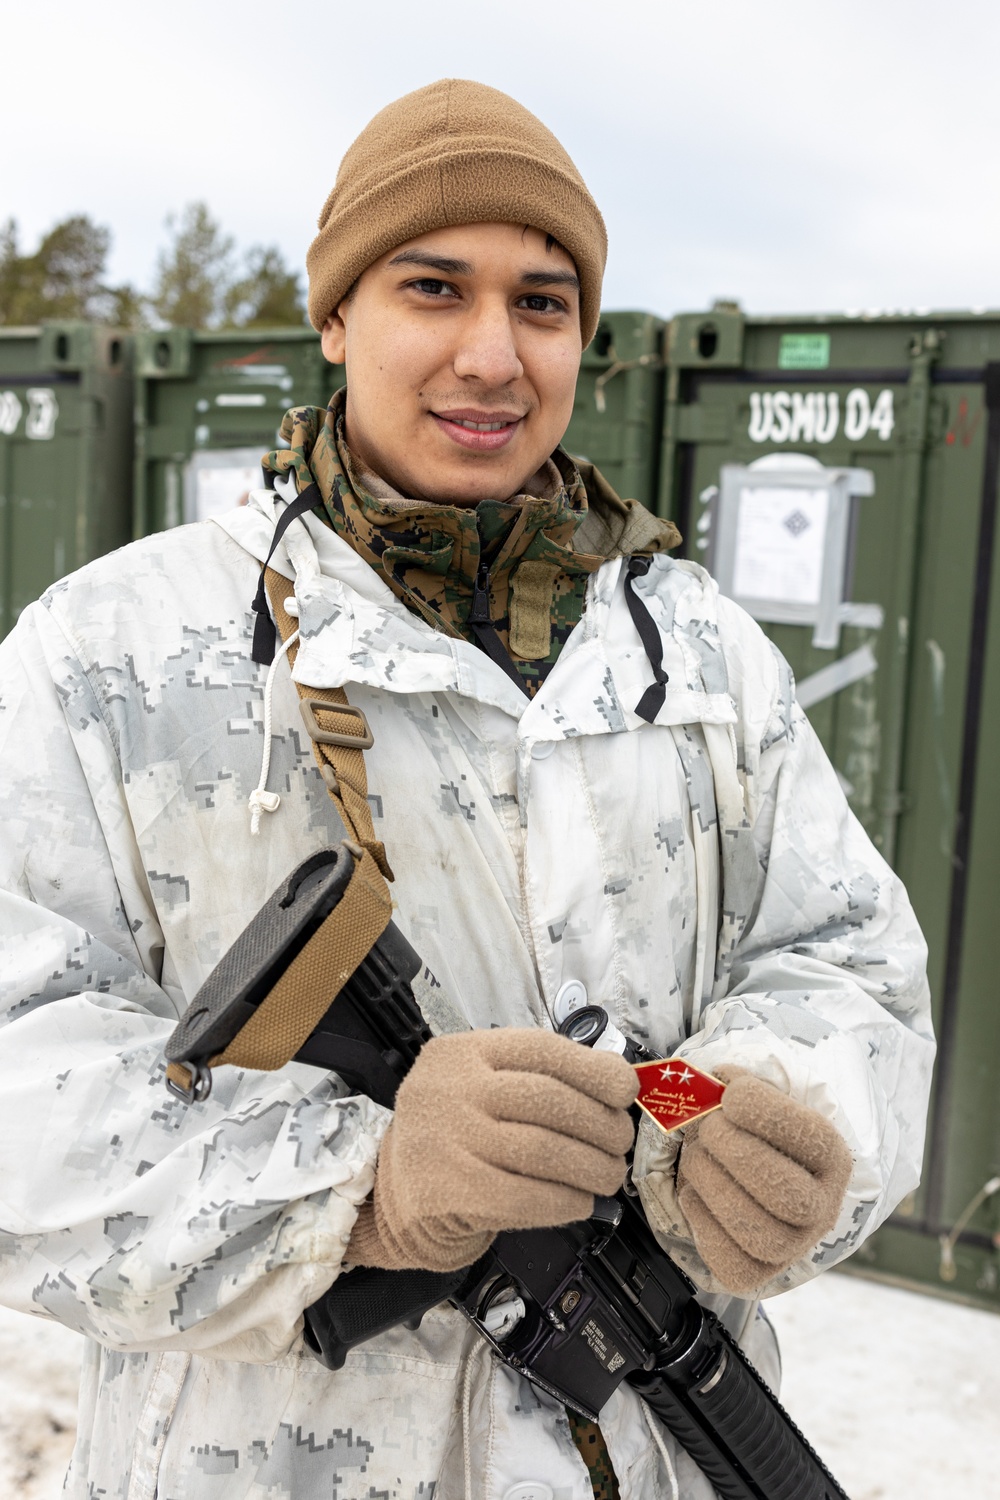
[797, 155]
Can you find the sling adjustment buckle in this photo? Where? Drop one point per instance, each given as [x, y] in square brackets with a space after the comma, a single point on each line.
[308, 708]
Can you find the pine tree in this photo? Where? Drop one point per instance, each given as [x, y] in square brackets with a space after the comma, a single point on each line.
[194, 272]
[63, 278]
[199, 283]
[267, 295]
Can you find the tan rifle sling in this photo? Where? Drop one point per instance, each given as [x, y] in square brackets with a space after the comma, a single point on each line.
[281, 1023]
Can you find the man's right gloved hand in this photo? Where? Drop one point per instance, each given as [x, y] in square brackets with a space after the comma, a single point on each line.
[503, 1129]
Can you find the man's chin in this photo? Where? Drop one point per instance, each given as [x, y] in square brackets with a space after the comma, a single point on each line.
[469, 482]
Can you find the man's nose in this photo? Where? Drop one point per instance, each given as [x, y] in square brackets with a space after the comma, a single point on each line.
[487, 351]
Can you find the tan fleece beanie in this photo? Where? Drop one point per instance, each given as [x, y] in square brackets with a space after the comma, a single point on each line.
[454, 152]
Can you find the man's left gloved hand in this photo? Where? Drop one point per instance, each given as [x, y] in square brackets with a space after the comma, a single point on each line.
[760, 1181]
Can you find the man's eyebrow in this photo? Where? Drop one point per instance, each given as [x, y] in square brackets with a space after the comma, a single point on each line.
[443, 263]
[551, 278]
[449, 266]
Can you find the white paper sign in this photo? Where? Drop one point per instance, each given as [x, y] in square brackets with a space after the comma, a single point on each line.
[219, 490]
[780, 538]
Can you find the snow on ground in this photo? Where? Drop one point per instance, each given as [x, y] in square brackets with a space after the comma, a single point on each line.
[899, 1393]
[39, 1370]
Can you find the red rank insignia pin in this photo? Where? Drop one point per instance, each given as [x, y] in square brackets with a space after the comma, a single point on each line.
[674, 1092]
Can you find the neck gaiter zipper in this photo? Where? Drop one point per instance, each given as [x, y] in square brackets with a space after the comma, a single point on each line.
[485, 629]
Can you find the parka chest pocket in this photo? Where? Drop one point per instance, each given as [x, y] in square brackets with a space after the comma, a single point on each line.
[621, 876]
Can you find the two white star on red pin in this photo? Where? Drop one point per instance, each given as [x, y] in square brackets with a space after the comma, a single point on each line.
[673, 1093]
[668, 1075]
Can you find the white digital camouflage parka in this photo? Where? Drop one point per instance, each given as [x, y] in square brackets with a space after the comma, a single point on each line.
[701, 876]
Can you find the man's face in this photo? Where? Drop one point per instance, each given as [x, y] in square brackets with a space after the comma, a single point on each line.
[462, 349]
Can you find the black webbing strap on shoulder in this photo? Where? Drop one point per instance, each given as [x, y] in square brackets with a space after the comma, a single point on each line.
[264, 634]
[651, 702]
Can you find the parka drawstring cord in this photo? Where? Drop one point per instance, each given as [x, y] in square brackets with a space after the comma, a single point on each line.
[260, 799]
[664, 1451]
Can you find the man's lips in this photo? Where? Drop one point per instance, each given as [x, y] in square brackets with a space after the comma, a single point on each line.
[480, 431]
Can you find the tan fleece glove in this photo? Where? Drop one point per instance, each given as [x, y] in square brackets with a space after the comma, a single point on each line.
[760, 1181]
[503, 1129]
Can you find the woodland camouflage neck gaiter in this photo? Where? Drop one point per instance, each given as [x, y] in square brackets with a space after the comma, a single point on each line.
[517, 554]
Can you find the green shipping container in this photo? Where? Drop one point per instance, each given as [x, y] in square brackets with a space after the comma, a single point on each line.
[65, 454]
[619, 404]
[840, 477]
[207, 405]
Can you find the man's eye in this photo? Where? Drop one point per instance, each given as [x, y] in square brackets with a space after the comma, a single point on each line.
[432, 287]
[538, 303]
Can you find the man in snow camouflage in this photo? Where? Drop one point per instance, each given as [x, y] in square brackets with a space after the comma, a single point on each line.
[558, 803]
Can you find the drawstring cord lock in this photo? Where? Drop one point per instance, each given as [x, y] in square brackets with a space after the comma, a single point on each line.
[259, 802]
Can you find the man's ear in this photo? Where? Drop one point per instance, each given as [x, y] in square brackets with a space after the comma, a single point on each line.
[333, 339]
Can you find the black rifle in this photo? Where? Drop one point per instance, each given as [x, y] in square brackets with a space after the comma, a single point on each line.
[576, 1309]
